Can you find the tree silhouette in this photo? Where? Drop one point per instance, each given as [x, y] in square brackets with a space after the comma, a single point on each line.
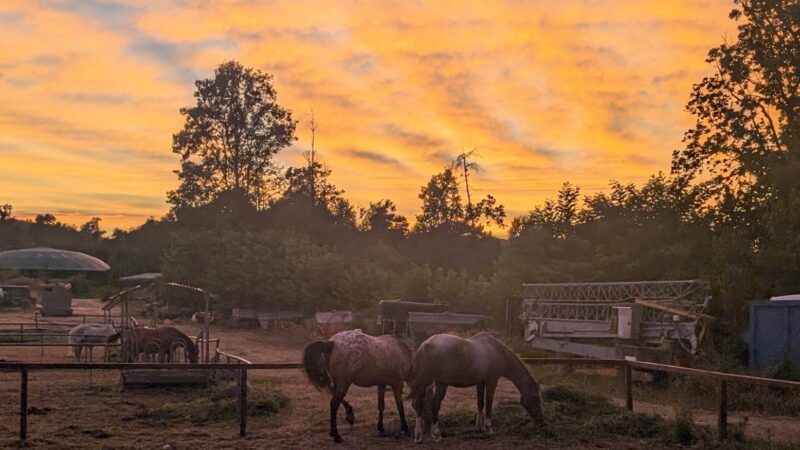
[746, 139]
[92, 228]
[45, 219]
[442, 208]
[382, 219]
[558, 217]
[230, 137]
[5, 212]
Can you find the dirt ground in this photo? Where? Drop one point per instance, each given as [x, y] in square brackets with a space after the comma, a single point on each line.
[67, 411]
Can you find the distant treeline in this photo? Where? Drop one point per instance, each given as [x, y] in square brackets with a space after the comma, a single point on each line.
[261, 236]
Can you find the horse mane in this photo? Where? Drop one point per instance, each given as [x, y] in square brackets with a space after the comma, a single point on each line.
[503, 348]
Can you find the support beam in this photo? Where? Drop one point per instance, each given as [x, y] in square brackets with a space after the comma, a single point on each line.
[23, 405]
[722, 422]
[242, 402]
[628, 388]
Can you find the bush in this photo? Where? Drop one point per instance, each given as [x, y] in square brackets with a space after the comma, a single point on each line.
[79, 285]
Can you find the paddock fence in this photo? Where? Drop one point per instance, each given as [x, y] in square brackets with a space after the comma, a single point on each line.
[242, 366]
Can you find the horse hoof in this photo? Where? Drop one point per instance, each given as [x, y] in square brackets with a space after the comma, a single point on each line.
[337, 439]
[350, 418]
[381, 434]
[435, 433]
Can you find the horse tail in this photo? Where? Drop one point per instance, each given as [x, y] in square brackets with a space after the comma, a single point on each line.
[315, 363]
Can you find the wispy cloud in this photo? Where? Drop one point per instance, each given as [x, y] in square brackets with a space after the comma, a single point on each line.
[371, 156]
[557, 90]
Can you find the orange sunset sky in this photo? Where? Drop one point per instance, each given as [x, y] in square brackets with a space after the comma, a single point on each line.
[583, 91]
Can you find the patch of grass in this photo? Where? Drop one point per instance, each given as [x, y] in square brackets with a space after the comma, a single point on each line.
[217, 404]
[570, 416]
[574, 418]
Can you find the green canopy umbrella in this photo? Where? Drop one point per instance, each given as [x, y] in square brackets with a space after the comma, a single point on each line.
[50, 259]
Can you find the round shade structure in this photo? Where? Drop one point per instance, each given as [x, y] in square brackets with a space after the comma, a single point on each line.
[50, 259]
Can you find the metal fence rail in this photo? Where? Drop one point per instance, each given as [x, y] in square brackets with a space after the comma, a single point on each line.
[627, 366]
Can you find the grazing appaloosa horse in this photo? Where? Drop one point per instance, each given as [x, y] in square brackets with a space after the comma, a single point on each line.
[91, 334]
[352, 357]
[161, 342]
[446, 360]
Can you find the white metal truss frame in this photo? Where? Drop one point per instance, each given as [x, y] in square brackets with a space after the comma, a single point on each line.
[616, 291]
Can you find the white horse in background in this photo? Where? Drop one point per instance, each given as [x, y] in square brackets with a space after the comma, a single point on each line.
[200, 317]
[91, 334]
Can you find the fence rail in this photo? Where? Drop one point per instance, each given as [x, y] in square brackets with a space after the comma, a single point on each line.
[242, 366]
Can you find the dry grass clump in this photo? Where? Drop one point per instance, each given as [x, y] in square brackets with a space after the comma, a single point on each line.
[217, 404]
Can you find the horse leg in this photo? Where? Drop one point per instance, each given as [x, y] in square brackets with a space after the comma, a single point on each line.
[338, 397]
[490, 387]
[441, 390]
[421, 401]
[381, 404]
[479, 423]
[397, 390]
[349, 415]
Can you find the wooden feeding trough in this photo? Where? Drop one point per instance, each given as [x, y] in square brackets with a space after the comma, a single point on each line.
[139, 378]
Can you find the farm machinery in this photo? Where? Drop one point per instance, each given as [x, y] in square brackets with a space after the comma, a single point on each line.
[659, 321]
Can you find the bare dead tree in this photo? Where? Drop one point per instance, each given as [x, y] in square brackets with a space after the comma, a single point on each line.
[465, 163]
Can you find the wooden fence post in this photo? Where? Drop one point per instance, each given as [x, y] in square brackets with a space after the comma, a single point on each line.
[628, 388]
[722, 423]
[242, 402]
[23, 405]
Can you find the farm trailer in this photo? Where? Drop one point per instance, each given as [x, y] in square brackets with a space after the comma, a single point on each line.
[659, 321]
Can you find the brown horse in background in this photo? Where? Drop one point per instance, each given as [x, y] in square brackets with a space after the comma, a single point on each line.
[161, 342]
[352, 357]
[445, 360]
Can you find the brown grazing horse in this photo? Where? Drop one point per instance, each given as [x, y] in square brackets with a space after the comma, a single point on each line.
[446, 360]
[161, 342]
[352, 357]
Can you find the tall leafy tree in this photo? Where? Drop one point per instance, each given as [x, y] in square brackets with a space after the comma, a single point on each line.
[45, 219]
[309, 184]
[559, 217]
[441, 203]
[382, 219]
[230, 137]
[443, 208]
[746, 139]
[92, 228]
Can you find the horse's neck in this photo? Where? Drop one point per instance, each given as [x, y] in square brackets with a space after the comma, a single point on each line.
[517, 372]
